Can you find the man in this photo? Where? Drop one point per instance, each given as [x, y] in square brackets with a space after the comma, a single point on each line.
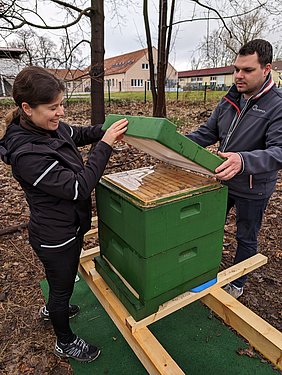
[248, 125]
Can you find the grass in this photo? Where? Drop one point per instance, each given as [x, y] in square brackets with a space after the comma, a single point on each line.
[187, 96]
[127, 97]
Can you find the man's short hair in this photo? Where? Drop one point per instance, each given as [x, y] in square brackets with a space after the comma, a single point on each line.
[262, 47]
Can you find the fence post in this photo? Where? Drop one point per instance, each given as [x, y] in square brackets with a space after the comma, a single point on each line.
[177, 91]
[145, 93]
[205, 93]
[109, 92]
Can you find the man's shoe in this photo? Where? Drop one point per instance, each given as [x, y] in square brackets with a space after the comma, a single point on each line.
[73, 311]
[233, 290]
[78, 349]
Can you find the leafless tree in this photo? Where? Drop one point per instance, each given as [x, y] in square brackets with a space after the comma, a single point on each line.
[16, 15]
[164, 39]
[220, 47]
[232, 23]
[212, 52]
[40, 50]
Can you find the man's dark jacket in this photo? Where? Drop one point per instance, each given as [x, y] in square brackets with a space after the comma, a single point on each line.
[56, 182]
[255, 132]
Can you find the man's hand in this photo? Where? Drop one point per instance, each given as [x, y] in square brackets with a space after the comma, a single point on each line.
[230, 167]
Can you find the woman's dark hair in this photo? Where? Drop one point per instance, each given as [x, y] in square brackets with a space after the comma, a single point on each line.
[263, 49]
[35, 85]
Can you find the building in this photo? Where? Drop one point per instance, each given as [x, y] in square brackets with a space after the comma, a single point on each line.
[130, 72]
[277, 72]
[218, 78]
[75, 80]
[10, 65]
[214, 78]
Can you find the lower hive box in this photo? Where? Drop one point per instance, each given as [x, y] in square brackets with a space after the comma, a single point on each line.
[160, 232]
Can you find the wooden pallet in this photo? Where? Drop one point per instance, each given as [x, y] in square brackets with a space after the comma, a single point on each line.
[261, 335]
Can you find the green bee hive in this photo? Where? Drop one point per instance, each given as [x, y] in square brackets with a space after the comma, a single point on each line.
[160, 227]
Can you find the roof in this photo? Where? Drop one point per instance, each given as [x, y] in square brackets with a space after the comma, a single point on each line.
[67, 74]
[207, 72]
[120, 64]
[11, 52]
[277, 65]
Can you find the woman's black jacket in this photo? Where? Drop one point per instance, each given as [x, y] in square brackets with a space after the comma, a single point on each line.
[56, 182]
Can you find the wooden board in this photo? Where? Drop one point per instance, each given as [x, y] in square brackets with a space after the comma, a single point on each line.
[150, 352]
[260, 334]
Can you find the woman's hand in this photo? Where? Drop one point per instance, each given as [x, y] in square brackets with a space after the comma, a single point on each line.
[115, 132]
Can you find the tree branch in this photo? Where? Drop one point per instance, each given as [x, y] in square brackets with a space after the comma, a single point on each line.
[217, 18]
[45, 26]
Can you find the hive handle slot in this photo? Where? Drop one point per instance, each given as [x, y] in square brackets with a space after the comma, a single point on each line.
[116, 205]
[190, 210]
[116, 246]
[187, 254]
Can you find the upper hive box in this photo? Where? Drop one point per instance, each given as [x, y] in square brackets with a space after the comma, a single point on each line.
[159, 138]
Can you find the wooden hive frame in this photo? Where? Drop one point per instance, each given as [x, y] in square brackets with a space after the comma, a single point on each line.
[260, 334]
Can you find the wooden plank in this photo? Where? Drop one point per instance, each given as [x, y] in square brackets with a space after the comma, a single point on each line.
[91, 233]
[94, 221]
[223, 278]
[260, 334]
[147, 348]
[89, 254]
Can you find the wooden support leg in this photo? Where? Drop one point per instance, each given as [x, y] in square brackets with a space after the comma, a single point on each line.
[261, 335]
[147, 348]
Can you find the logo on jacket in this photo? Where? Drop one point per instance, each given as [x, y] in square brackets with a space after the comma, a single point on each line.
[257, 109]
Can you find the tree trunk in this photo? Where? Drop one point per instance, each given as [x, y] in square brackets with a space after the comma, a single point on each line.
[150, 54]
[97, 62]
[164, 40]
[160, 110]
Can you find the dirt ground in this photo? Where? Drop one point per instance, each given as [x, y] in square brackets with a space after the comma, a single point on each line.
[26, 343]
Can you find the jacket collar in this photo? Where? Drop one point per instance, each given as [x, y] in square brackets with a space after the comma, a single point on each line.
[234, 95]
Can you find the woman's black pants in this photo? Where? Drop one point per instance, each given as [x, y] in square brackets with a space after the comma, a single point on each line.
[61, 265]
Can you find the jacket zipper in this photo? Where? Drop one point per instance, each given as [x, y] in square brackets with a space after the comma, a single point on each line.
[234, 125]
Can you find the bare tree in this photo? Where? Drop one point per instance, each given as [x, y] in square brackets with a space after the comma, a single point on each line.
[245, 28]
[212, 52]
[217, 55]
[219, 48]
[18, 14]
[164, 40]
[40, 50]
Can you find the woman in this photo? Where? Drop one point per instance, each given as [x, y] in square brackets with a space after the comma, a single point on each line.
[46, 162]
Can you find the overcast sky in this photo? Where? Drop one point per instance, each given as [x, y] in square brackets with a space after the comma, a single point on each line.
[124, 26]
[129, 34]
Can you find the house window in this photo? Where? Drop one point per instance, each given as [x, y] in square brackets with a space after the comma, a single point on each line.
[145, 66]
[196, 79]
[137, 83]
[213, 79]
[113, 82]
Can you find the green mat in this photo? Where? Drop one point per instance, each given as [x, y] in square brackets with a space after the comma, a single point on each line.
[195, 338]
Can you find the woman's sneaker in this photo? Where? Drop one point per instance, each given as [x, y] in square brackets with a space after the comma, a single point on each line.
[73, 311]
[78, 349]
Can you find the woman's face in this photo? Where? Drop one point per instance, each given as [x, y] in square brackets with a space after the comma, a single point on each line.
[46, 116]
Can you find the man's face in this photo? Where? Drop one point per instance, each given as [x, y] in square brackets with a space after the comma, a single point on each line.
[249, 75]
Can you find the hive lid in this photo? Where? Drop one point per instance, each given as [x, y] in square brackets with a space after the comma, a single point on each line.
[159, 138]
[151, 186]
